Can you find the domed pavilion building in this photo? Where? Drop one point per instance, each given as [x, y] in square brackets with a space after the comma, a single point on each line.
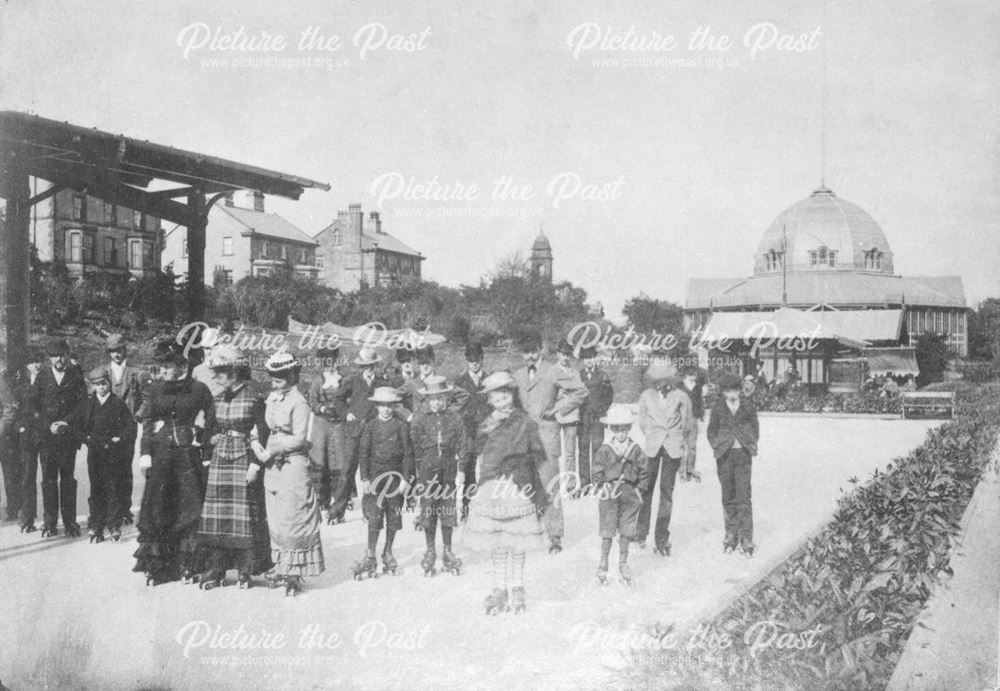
[824, 267]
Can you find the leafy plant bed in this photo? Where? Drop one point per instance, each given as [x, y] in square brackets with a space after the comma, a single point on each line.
[837, 613]
[797, 401]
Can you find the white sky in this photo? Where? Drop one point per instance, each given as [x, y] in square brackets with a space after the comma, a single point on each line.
[708, 156]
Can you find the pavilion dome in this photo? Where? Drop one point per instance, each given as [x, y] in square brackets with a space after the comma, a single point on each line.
[823, 233]
[541, 246]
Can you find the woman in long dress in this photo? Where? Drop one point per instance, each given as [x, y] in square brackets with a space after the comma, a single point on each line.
[233, 529]
[293, 515]
[509, 497]
[172, 451]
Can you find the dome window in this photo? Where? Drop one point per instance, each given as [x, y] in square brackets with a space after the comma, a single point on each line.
[774, 260]
[823, 257]
[873, 259]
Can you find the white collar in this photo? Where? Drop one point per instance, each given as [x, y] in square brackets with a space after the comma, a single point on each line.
[103, 400]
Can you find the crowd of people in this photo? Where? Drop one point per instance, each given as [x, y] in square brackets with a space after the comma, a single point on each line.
[236, 480]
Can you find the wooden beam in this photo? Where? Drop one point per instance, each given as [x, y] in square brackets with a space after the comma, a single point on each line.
[42, 196]
[135, 199]
[196, 257]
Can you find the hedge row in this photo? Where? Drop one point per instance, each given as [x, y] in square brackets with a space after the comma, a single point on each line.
[798, 401]
[862, 581]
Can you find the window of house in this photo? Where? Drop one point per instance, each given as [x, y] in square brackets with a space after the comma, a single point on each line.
[147, 255]
[227, 246]
[284, 252]
[320, 260]
[109, 212]
[74, 247]
[773, 260]
[263, 249]
[77, 208]
[337, 238]
[135, 253]
[302, 255]
[137, 219]
[110, 252]
[831, 259]
[184, 248]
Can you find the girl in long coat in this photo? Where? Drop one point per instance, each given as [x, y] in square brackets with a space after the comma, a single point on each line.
[233, 528]
[293, 515]
[172, 451]
[509, 497]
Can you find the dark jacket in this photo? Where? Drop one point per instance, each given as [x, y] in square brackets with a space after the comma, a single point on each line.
[130, 388]
[385, 447]
[477, 407]
[51, 402]
[697, 399]
[511, 448]
[440, 446]
[176, 404]
[600, 396]
[352, 397]
[323, 402]
[724, 428]
[100, 423]
[632, 468]
[9, 407]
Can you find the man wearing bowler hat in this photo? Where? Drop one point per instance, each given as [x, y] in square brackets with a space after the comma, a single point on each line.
[56, 399]
[476, 409]
[26, 437]
[664, 420]
[354, 406]
[600, 394]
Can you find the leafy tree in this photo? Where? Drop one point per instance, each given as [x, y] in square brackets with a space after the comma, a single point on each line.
[984, 330]
[932, 357]
[646, 315]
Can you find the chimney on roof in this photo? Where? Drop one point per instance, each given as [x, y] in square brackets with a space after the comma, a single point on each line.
[258, 201]
[376, 222]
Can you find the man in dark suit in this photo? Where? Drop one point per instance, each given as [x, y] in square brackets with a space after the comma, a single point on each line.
[600, 394]
[475, 410]
[25, 437]
[127, 383]
[10, 459]
[354, 408]
[56, 399]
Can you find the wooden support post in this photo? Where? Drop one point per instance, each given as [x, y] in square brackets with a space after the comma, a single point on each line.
[196, 257]
[15, 269]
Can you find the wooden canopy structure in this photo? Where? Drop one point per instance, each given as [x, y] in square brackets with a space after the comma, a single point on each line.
[119, 170]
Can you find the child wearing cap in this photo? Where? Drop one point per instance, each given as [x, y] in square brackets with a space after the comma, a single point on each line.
[385, 458]
[108, 429]
[441, 454]
[621, 476]
[733, 432]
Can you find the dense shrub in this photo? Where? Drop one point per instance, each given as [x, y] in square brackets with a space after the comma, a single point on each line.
[863, 580]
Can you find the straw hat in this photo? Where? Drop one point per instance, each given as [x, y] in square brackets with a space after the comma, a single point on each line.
[661, 371]
[385, 394]
[281, 363]
[617, 416]
[115, 342]
[366, 356]
[435, 384]
[227, 356]
[498, 380]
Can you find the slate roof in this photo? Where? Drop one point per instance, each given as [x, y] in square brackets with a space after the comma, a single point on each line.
[271, 225]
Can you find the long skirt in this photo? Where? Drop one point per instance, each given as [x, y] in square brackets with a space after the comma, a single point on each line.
[293, 518]
[168, 518]
[501, 516]
[232, 532]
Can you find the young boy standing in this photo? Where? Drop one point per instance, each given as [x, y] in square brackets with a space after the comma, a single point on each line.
[733, 432]
[108, 429]
[385, 458]
[441, 453]
[621, 475]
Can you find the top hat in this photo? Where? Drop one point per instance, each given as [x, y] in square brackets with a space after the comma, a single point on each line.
[403, 355]
[498, 380]
[56, 346]
[282, 362]
[115, 342]
[588, 353]
[474, 352]
[168, 350]
[366, 356]
[385, 394]
[424, 355]
[435, 384]
[566, 348]
[617, 416]
[730, 382]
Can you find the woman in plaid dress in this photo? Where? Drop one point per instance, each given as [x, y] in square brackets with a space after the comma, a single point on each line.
[233, 527]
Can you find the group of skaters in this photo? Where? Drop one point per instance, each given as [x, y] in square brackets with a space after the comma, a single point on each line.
[240, 481]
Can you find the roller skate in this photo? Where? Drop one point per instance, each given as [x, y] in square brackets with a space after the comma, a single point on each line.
[517, 603]
[96, 535]
[602, 573]
[293, 586]
[451, 563]
[274, 580]
[188, 577]
[728, 546]
[427, 563]
[154, 579]
[350, 505]
[127, 518]
[366, 567]
[663, 549]
[496, 602]
[28, 527]
[555, 545]
[747, 549]
[49, 531]
[625, 573]
[333, 519]
[115, 535]
[694, 477]
[72, 530]
[389, 563]
[212, 578]
[244, 581]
